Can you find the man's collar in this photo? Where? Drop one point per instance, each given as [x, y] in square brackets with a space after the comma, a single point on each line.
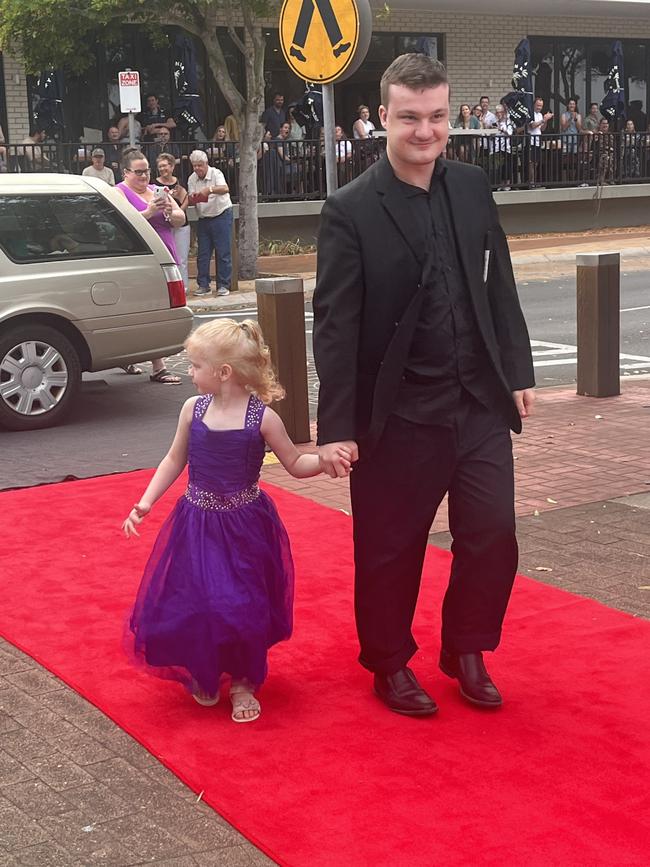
[410, 190]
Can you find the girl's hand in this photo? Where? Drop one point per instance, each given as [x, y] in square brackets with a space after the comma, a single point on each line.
[341, 464]
[135, 518]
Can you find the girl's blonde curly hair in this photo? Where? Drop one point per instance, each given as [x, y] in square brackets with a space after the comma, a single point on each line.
[241, 345]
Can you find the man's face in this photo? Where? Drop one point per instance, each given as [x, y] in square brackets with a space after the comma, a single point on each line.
[485, 104]
[539, 105]
[594, 109]
[500, 113]
[98, 162]
[201, 170]
[152, 104]
[603, 126]
[278, 100]
[416, 123]
[113, 133]
[163, 135]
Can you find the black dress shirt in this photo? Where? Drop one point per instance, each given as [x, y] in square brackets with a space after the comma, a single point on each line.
[447, 355]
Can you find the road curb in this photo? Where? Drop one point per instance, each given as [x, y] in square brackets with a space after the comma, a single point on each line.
[243, 300]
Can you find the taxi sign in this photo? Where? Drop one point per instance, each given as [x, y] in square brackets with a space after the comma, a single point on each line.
[325, 40]
[129, 83]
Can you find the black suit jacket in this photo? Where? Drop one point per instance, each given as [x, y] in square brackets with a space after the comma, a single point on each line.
[371, 256]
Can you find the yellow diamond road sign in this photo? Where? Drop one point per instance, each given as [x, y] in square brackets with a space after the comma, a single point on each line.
[319, 38]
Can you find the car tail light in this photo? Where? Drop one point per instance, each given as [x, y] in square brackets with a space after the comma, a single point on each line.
[175, 285]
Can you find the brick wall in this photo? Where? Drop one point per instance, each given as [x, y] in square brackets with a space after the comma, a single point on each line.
[480, 48]
[16, 99]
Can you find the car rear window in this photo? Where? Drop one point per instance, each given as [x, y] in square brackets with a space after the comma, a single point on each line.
[39, 228]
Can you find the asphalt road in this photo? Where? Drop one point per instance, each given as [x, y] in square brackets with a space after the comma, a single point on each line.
[125, 422]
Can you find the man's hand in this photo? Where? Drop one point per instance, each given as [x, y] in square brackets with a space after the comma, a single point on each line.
[524, 401]
[334, 457]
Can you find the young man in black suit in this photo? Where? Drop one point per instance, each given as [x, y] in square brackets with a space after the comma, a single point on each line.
[424, 364]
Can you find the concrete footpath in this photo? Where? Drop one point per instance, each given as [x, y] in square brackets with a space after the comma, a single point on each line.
[533, 258]
[76, 790]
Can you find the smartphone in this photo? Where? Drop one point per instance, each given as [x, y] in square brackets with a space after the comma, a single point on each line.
[160, 193]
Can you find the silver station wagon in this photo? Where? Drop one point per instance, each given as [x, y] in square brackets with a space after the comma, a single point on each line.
[85, 284]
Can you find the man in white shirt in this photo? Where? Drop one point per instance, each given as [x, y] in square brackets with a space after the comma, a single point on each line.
[98, 169]
[35, 159]
[209, 193]
[535, 129]
[488, 119]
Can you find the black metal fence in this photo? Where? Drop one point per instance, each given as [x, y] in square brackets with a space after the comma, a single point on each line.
[295, 170]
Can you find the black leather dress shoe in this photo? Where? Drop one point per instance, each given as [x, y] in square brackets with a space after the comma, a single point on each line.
[402, 693]
[475, 683]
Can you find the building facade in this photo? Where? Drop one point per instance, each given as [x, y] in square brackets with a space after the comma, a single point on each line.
[570, 56]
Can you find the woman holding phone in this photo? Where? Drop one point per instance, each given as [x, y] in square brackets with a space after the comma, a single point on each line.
[160, 209]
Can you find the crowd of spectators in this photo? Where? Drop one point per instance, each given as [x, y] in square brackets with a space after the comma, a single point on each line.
[580, 151]
[570, 149]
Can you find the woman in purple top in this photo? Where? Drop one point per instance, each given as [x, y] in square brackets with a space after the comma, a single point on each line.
[163, 214]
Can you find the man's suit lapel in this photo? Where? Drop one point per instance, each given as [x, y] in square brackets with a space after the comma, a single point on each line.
[471, 245]
[400, 212]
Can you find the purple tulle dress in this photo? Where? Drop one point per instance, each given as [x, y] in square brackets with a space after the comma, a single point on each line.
[217, 590]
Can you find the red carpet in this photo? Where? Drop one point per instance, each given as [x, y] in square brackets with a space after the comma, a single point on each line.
[328, 777]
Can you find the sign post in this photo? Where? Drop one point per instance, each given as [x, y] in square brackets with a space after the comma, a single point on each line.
[325, 41]
[129, 84]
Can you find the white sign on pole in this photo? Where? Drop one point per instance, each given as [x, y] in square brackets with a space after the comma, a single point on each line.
[129, 83]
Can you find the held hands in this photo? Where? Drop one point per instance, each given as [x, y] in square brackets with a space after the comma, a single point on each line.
[135, 518]
[336, 459]
[524, 401]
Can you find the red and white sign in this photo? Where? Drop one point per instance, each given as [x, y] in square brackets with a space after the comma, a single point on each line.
[129, 83]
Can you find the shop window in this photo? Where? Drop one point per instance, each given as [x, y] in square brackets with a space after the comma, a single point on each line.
[600, 61]
[636, 80]
[572, 75]
[542, 66]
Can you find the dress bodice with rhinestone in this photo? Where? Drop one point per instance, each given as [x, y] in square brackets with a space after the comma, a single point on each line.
[226, 461]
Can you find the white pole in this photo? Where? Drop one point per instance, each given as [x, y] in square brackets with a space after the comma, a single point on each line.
[131, 128]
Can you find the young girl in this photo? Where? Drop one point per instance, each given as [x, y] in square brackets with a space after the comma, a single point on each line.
[217, 591]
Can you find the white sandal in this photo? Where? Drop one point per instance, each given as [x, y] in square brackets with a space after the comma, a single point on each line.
[244, 703]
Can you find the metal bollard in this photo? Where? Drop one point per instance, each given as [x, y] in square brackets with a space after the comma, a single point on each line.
[598, 320]
[281, 315]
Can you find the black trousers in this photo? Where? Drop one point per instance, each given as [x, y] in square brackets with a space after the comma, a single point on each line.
[396, 492]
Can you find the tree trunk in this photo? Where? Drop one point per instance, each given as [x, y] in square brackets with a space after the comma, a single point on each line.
[248, 225]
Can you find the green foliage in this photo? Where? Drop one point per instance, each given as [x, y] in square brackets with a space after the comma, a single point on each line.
[64, 33]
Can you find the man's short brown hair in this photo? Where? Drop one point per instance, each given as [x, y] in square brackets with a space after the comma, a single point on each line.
[415, 71]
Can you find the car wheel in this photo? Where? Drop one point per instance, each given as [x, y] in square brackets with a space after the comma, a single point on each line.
[40, 377]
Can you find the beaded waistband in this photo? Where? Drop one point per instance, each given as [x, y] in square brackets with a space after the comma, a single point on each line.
[211, 502]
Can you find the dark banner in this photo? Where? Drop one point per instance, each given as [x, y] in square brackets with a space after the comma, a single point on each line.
[613, 105]
[188, 111]
[519, 101]
[47, 101]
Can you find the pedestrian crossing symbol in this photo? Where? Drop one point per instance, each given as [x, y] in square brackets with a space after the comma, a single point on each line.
[319, 38]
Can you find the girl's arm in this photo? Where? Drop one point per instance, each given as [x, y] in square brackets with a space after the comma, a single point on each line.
[300, 466]
[168, 471]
